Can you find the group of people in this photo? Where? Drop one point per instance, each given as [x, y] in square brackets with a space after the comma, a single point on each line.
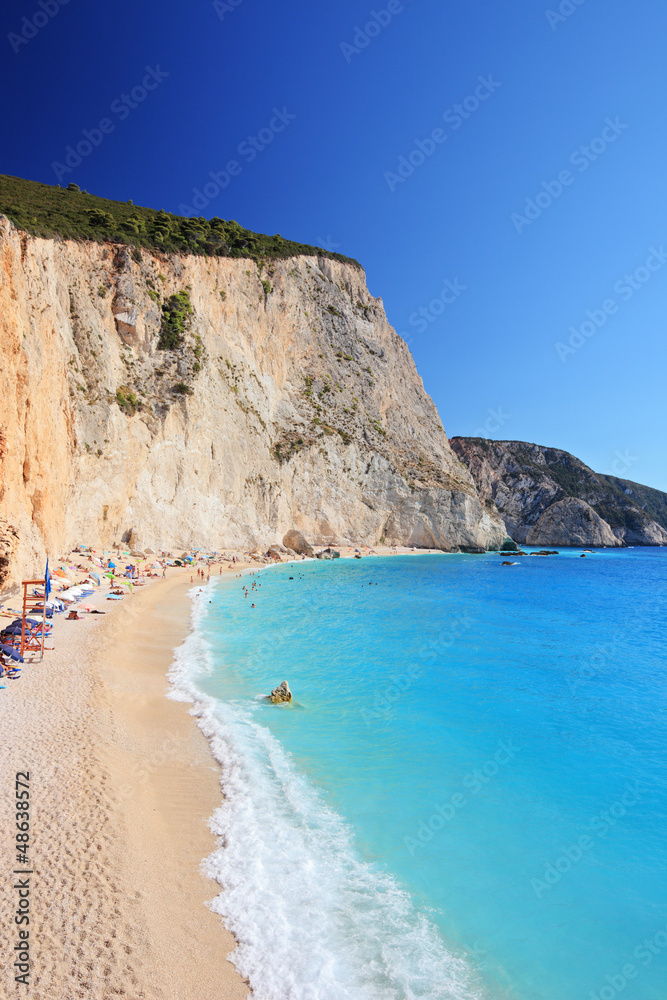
[253, 589]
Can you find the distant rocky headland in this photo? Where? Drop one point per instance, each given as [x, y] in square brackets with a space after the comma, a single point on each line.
[548, 497]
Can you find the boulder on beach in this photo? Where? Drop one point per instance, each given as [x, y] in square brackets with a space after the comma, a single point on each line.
[328, 554]
[294, 540]
[281, 693]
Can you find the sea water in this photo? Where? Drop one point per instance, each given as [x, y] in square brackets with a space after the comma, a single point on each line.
[467, 796]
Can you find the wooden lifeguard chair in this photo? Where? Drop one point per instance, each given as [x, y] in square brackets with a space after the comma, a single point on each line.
[30, 642]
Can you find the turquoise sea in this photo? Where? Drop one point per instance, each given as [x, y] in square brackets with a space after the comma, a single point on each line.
[468, 795]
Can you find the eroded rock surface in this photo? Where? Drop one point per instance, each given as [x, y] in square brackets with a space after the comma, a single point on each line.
[281, 694]
[297, 407]
[548, 497]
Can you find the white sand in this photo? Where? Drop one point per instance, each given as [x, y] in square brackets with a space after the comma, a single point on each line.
[122, 783]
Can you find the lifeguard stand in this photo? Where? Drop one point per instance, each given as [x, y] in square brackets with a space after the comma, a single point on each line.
[29, 641]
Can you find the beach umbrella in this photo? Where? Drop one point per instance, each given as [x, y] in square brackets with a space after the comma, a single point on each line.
[96, 577]
[8, 651]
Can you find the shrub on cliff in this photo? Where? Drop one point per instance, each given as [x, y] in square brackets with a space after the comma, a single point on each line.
[176, 312]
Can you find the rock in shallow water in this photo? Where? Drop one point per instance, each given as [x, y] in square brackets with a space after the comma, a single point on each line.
[281, 693]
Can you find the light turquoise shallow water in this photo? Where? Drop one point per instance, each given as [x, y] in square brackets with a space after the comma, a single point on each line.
[467, 798]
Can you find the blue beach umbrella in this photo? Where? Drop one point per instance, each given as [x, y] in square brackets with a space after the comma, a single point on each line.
[8, 651]
[47, 581]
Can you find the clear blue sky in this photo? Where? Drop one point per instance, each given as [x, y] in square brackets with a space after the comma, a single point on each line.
[488, 357]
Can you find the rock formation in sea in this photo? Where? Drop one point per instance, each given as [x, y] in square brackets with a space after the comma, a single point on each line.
[167, 400]
[548, 497]
[281, 694]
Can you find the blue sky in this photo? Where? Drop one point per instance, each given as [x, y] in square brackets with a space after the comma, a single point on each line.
[560, 117]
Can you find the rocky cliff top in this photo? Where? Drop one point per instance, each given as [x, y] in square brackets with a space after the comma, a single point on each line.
[45, 210]
[548, 497]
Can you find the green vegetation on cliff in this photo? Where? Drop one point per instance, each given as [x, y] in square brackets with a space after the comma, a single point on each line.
[176, 312]
[652, 502]
[44, 210]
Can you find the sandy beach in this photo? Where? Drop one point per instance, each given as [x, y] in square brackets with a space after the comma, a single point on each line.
[121, 784]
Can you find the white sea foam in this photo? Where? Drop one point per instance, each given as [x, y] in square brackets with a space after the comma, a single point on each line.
[312, 920]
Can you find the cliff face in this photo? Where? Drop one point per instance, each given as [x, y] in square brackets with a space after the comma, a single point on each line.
[548, 497]
[290, 402]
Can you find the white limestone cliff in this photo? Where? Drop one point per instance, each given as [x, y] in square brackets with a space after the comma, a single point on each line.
[299, 406]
